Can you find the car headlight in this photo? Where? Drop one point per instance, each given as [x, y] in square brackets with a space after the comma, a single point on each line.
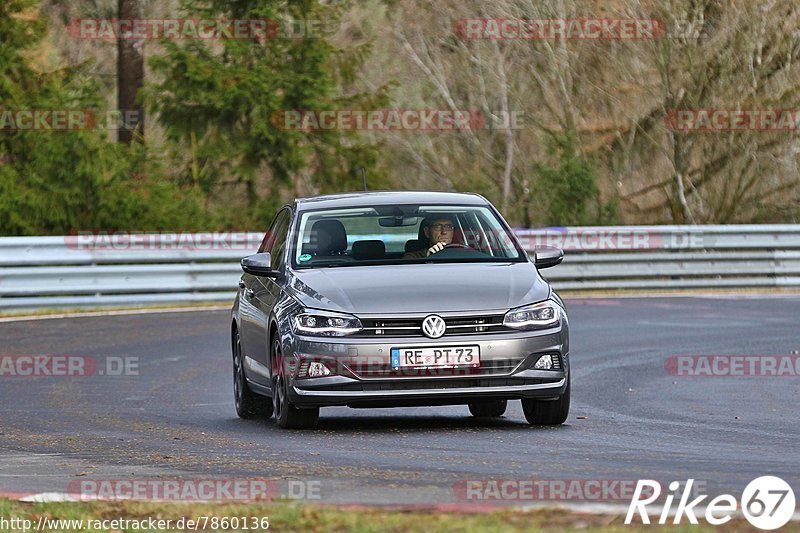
[326, 323]
[536, 316]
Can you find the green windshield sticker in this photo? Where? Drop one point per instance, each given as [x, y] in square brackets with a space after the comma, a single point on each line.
[304, 257]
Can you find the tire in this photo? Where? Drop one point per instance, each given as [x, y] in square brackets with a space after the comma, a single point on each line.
[249, 405]
[487, 409]
[547, 413]
[287, 415]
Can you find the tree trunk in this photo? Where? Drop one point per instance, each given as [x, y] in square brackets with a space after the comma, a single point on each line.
[509, 134]
[130, 76]
[681, 213]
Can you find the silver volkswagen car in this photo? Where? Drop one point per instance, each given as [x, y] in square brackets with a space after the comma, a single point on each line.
[392, 299]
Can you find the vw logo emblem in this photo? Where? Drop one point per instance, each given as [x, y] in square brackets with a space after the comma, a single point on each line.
[433, 326]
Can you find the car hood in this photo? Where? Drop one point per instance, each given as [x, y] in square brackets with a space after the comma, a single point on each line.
[424, 288]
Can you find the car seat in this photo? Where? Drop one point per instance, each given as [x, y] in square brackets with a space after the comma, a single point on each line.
[328, 237]
[369, 250]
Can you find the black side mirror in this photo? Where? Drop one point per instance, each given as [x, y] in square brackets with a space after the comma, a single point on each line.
[259, 265]
[547, 256]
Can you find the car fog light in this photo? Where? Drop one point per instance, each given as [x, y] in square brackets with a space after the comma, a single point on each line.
[545, 362]
[316, 370]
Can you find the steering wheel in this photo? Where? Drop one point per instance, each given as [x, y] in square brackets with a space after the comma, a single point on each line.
[455, 245]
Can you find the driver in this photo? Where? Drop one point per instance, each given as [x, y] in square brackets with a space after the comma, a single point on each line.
[438, 229]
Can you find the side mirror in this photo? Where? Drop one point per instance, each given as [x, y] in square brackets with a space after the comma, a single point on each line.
[547, 256]
[259, 265]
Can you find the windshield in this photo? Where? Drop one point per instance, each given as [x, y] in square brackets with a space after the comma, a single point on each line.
[402, 234]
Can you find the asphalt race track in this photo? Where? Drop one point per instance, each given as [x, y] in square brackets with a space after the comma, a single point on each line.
[630, 417]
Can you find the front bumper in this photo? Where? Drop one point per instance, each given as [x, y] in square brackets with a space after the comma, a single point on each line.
[505, 373]
[415, 394]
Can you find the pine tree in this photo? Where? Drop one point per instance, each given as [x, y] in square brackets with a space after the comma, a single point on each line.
[219, 100]
[50, 181]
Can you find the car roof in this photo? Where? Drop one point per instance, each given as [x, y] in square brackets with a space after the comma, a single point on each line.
[361, 199]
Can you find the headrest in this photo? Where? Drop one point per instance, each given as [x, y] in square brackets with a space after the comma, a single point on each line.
[369, 249]
[328, 237]
[415, 244]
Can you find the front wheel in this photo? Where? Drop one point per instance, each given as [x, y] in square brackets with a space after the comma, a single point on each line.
[248, 404]
[287, 415]
[547, 413]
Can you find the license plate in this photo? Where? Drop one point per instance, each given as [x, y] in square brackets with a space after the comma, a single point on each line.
[436, 357]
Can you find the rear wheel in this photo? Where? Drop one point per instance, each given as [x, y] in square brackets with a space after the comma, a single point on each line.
[547, 413]
[287, 415]
[490, 408]
[248, 404]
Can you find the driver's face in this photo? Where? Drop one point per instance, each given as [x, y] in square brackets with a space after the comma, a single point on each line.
[440, 230]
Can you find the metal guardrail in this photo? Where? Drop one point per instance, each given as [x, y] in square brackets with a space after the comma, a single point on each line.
[673, 257]
[131, 270]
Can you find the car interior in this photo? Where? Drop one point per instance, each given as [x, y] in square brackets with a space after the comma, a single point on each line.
[328, 240]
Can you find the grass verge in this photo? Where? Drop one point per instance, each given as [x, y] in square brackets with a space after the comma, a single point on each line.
[291, 516]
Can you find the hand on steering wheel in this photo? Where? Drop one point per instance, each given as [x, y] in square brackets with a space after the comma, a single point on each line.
[439, 246]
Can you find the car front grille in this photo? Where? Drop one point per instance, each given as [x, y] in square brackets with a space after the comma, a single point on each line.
[491, 367]
[404, 327]
[450, 384]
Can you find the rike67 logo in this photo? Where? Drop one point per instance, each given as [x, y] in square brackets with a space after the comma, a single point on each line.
[767, 502]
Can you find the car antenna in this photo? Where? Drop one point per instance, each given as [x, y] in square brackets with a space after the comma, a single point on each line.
[364, 177]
